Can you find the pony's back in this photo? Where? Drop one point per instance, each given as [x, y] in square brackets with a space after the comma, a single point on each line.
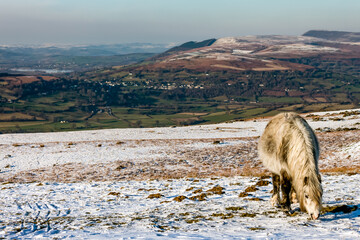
[288, 139]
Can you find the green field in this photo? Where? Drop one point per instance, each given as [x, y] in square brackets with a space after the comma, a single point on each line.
[136, 117]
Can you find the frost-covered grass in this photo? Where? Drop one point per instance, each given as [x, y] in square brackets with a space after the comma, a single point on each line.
[186, 182]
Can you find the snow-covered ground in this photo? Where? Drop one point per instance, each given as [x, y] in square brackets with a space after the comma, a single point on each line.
[123, 210]
[24, 152]
[42, 198]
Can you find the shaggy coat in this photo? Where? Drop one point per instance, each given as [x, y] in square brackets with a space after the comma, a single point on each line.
[290, 150]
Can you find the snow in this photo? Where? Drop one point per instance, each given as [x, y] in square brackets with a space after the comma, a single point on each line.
[306, 47]
[25, 151]
[122, 209]
[352, 150]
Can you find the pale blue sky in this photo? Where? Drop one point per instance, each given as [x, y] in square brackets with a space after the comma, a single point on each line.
[165, 21]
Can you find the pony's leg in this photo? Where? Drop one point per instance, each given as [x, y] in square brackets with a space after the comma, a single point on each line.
[293, 197]
[275, 199]
[285, 182]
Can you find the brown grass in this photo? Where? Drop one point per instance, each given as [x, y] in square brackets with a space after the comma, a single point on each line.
[155, 195]
[262, 183]
[338, 208]
[243, 194]
[251, 189]
[216, 190]
[179, 198]
[200, 197]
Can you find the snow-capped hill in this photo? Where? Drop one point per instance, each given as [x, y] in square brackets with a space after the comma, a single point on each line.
[251, 53]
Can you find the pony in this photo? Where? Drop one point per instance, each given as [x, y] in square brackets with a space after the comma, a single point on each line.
[289, 149]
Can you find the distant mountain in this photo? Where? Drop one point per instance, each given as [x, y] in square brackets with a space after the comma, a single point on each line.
[187, 46]
[256, 53]
[339, 36]
[191, 45]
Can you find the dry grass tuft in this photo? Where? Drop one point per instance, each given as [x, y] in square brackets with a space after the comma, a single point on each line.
[243, 194]
[251, 189]
[251, 215]
[262, 183]
[155, 195]
[114, 193]
[234, 208]
[255, 199]
[257, 228]
[147, 190]
[223, 215]
[179, 198]
[216, 190]
[197, 191]
[200, 197]
[338, 208]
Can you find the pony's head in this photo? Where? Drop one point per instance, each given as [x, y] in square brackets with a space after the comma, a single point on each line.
[311, 196]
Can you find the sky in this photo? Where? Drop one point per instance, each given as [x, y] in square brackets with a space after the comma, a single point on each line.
[167, 21]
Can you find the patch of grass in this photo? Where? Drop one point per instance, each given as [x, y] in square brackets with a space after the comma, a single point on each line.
[147, 189]
[216, 190]
[250, 215]
[155, 195]
[200, 197]
[339, 208]
[255, 199]
[243, 194]
[234, 208]
[179, 198]
[281, 99]
[192, 221]
[257, 228]
[251, 189]
[197, 191]
[114, 193]
[262, 183]
[223, 215]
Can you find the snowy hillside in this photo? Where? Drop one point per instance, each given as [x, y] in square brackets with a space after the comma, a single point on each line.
[184, 182]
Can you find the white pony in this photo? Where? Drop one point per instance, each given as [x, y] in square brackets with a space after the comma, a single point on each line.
[290, 150]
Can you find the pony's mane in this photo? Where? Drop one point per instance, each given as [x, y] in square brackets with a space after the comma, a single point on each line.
[303, 148]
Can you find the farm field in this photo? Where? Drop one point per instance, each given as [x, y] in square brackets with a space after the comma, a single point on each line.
[195, 182]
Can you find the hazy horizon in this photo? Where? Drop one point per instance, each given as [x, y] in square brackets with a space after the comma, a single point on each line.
[159, 21]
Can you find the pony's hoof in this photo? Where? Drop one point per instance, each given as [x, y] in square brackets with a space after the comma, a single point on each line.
[286, 209]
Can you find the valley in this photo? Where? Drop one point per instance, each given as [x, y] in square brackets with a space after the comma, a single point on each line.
[212, 81]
